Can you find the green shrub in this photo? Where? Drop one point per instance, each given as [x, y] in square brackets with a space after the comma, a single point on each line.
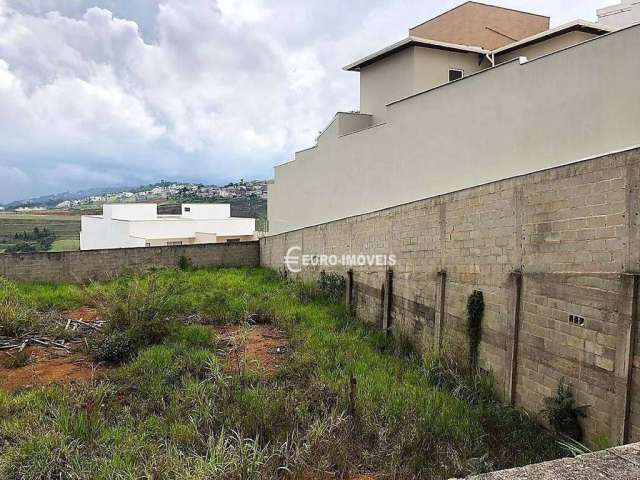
[332, 285]
[563, 414]
[140, 306]
[475, 313]
[184, 263]
[114, 347]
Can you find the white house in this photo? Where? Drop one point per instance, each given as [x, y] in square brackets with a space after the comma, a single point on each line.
[139, 225]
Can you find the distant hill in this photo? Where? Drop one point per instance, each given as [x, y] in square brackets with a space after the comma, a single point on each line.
[56, 198]
[51, 201]
[247, 199]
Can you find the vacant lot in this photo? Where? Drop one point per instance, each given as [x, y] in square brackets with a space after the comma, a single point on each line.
[233, 374]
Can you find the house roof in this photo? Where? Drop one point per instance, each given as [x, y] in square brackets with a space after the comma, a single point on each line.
[576, 25]
[412, 42]
[484, 5]
[480, 24]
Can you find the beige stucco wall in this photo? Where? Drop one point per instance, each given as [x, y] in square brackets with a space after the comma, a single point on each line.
[387, 80]
[410, 71]
[205, 237]
[242, 238]
[548, 46]
[432, 66]
[503, 122]
[352, 122]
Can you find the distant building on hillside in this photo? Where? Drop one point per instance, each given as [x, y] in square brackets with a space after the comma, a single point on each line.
[30, 209]
[139, 225]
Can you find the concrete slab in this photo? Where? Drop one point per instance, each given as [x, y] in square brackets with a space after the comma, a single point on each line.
[620, 463]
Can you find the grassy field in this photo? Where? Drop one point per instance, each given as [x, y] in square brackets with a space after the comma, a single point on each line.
[65, 227]
[65, 245]
[171, 409]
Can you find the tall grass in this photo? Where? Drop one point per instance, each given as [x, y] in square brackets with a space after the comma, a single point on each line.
[174, 412]
[44, 296]
[16, 314]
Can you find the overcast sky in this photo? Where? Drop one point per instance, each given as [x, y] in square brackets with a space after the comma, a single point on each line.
[120, 92]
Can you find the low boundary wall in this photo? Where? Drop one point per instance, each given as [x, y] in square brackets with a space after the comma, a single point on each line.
[82, 266]
[555, 254]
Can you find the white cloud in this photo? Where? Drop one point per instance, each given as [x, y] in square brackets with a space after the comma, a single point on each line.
[242, 13]
[117, 91]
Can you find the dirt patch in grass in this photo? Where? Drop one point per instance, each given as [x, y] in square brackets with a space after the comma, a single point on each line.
[255, 347]
[46, 368]
[86, 314]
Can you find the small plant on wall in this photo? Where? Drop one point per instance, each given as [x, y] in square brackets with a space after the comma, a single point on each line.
[184, 263]
[332, 285]
[475, 313]
[563, 414]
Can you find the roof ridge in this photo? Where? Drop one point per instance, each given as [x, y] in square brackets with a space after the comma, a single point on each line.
[479, 3]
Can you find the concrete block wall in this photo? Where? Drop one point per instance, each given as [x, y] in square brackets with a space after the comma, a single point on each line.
[82, 266]
[571, 234]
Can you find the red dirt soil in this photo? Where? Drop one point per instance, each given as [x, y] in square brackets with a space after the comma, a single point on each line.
[46, 368]
[261, 346]
[86, 314]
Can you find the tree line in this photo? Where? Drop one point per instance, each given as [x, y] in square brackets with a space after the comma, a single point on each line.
[37, 240]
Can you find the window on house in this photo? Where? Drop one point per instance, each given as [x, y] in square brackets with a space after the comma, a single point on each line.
[455, 74]
[187, 209]
[233, 240]
[173, 244]
[147, 244]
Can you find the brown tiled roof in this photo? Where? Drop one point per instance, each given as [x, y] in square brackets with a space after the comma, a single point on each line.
[482, 25]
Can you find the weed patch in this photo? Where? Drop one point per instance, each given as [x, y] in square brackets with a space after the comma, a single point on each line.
[563, 414]
[16, 315]
[172, 409]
